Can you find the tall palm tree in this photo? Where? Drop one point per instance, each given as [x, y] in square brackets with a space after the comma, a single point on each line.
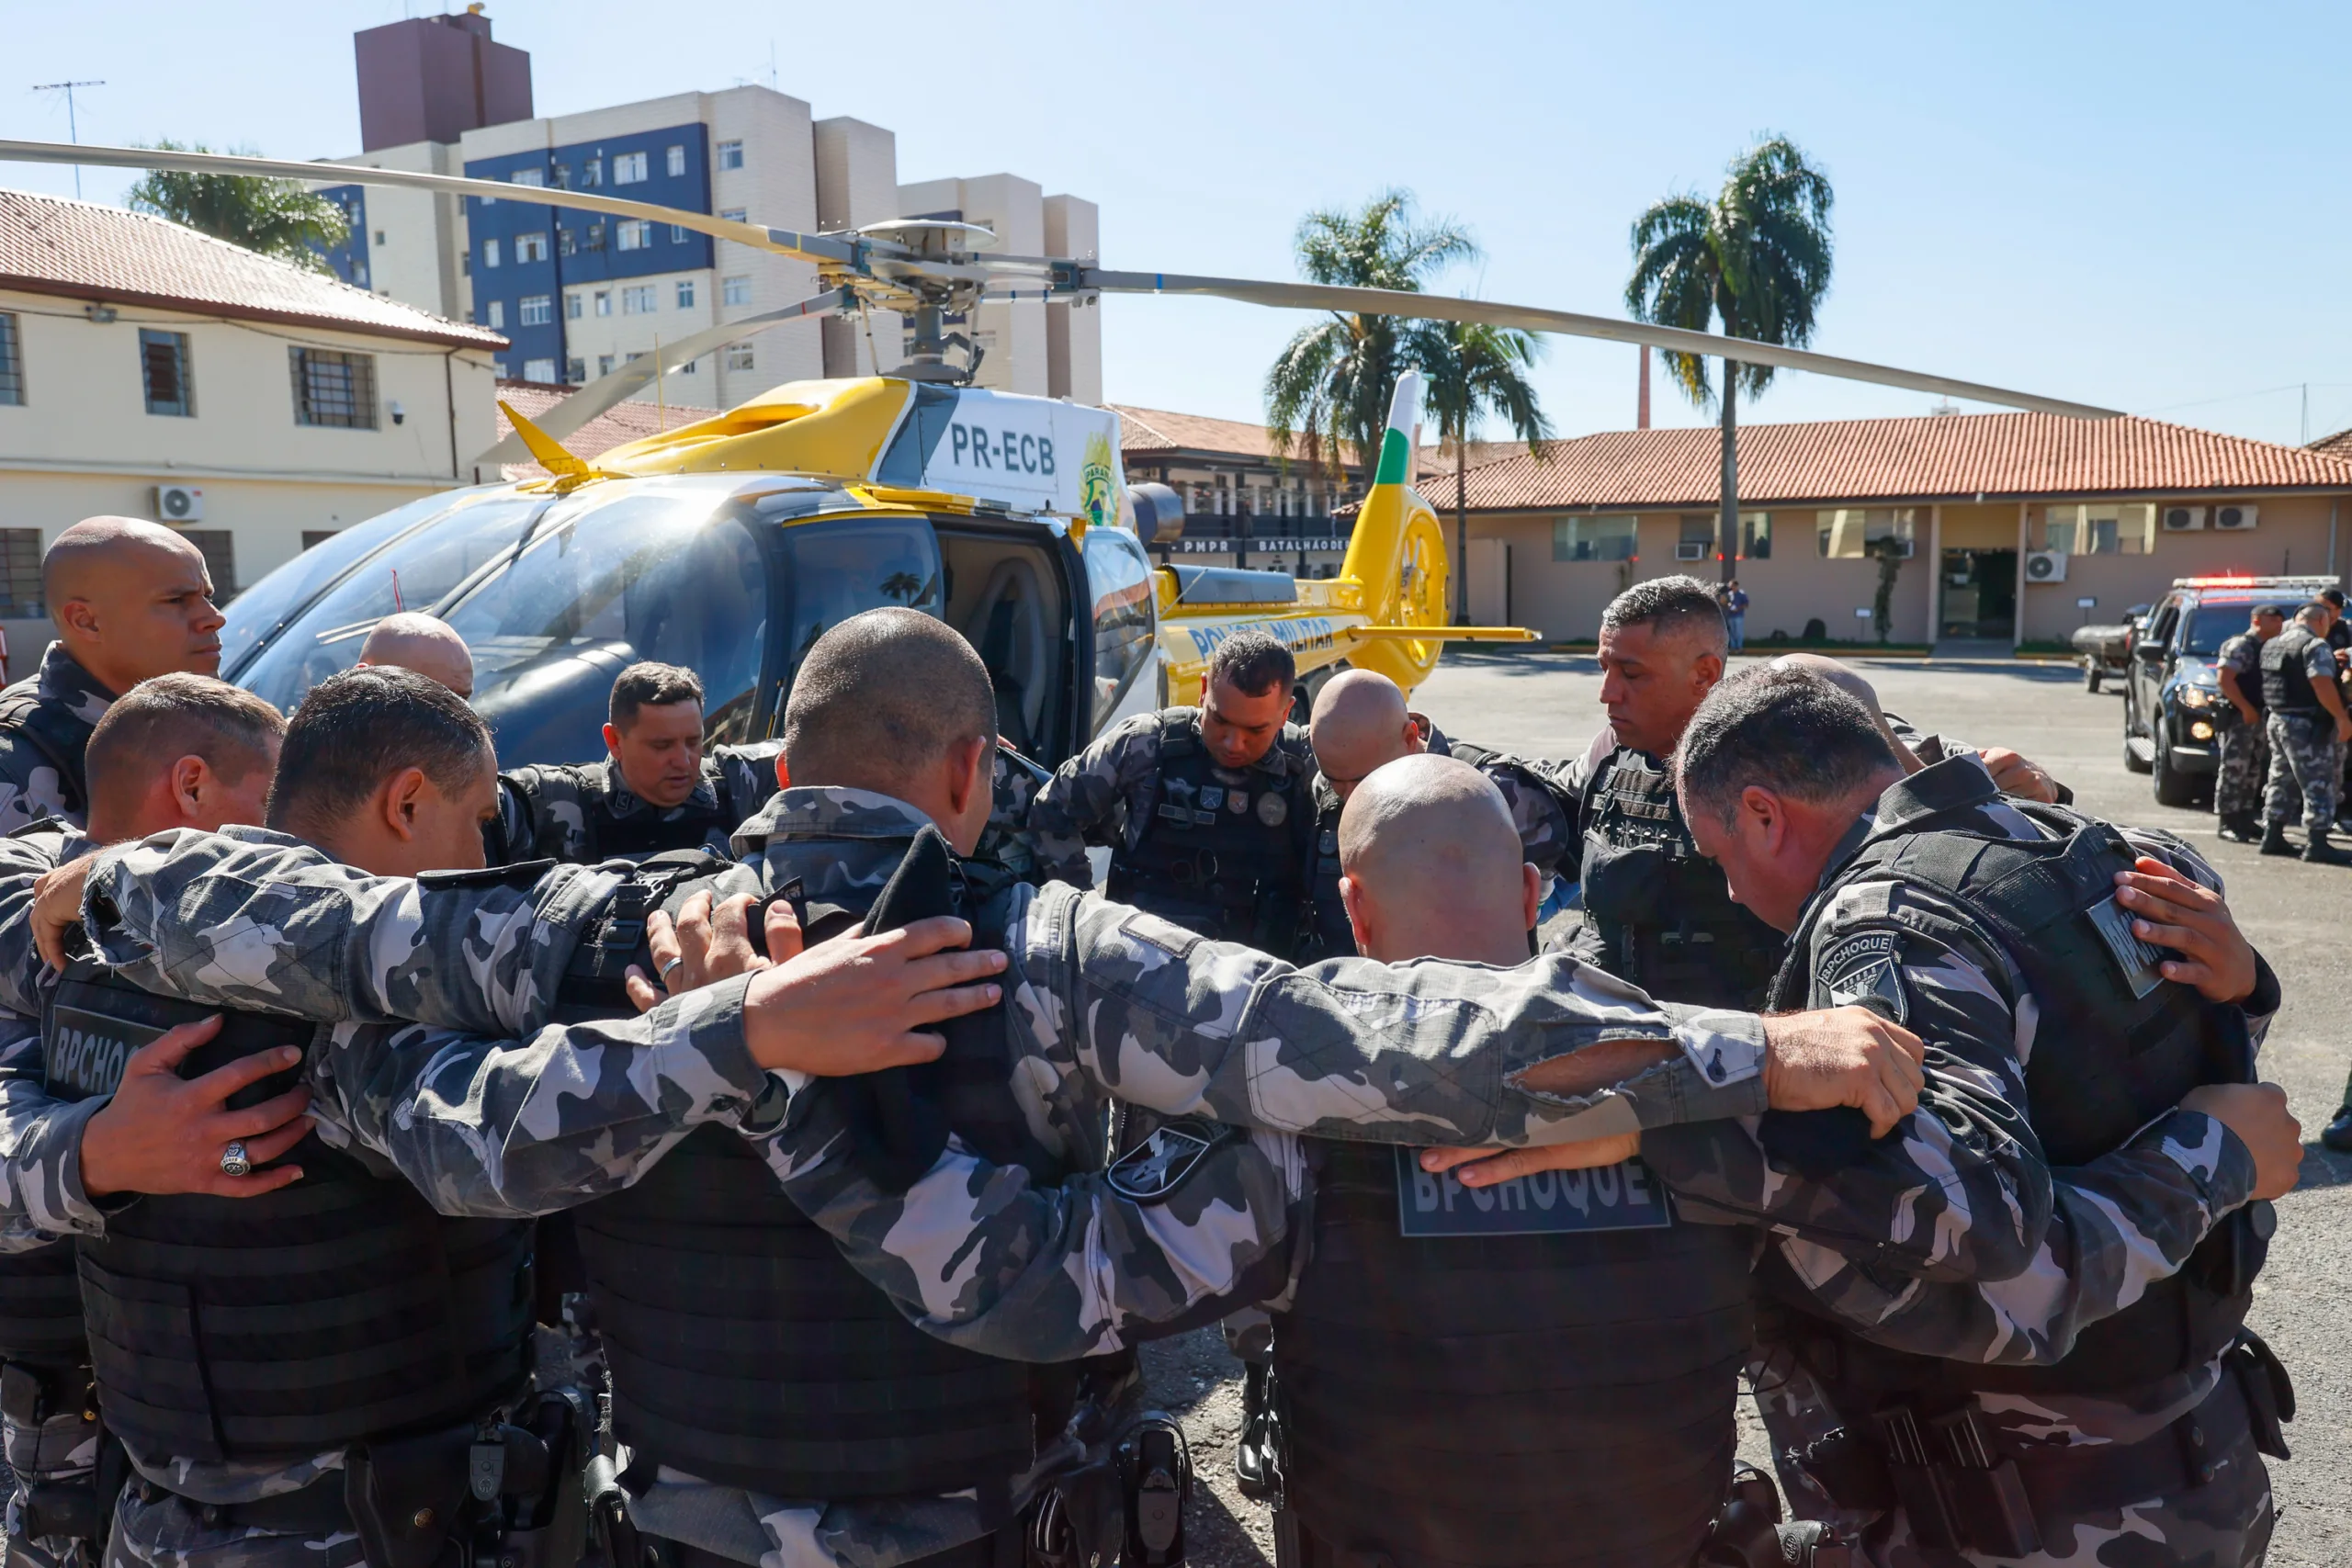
[1333, 382]
[1757, 258]
[277, 218]
[1474, 370]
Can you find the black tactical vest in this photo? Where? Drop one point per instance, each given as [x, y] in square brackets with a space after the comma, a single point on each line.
[2285, 683]
[2115, 1046]
[339, 1309]
[2249, 680]
[1220, 855]
[646, 831]
[1480, 1392]
[1329, 934]
[41, 1308]
[1658, 912]
[745, 1351]
[62, 738]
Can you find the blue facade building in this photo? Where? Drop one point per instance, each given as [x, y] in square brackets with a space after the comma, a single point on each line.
[348, 261]
[523, 256]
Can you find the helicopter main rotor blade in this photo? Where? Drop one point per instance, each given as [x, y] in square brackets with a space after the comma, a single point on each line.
[822, 249]
[1435, 307]
[604, 392]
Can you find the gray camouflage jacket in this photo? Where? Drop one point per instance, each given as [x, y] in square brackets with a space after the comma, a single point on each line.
[31, 784]
[543, 809]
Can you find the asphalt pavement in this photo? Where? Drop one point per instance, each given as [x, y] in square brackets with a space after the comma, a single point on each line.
[1548, 706]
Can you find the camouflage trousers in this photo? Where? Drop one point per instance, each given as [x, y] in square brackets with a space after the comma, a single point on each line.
[169, 1531]
[2226, 1523]
[2306, 761]
[2243, 769]
[63, 1448]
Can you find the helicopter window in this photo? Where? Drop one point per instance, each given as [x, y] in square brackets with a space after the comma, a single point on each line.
[414, 574]
[839, 570]
[1006, 598]
[1118, 579]
[644, 575]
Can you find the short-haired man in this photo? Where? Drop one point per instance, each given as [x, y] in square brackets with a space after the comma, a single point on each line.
[129, 600]
[655, 788]
[2308, 723]
[1361, 724]
[1209, 812]
[425, 643]
[2246, 738]
[2031, 943]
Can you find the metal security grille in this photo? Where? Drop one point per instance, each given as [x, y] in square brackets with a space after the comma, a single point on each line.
[219, 559]
[12, 363]
[333, 388]
[20, 572]
[162, 365]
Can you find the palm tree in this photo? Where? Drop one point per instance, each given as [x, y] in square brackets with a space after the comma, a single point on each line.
[277, 218]
[1333, 382]
[1474, 370]
[1757, 258]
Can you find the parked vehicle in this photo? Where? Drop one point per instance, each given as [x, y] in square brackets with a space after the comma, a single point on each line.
[2172, 703]
[2104, 650]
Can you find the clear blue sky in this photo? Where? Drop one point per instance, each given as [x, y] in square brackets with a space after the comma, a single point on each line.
[2137, 205]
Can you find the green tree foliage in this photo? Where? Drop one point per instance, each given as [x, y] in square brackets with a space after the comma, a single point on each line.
[277, 218]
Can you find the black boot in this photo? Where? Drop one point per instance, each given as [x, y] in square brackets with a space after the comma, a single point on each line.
[2240, 827]
[2338, 1134]
[1252, 1464]
[2274, 840]
[2319, 851]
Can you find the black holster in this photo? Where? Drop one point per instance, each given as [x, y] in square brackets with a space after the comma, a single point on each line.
[1125, 1505]
[502, 1492]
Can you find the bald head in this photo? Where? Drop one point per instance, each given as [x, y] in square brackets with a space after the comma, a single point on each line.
[1360, 723]
[1848, 679]
[429, 646]
[1432, 866]
[130, 599]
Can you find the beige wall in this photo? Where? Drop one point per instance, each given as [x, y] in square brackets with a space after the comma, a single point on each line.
[2290, 536]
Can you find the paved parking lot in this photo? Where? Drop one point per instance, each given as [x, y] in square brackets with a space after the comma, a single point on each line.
[1548, 705]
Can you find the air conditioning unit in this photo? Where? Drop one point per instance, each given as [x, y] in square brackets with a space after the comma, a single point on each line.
[1690, 549]
[2045, 566]
[2233, 517]
[2183, 519]
[179, 503]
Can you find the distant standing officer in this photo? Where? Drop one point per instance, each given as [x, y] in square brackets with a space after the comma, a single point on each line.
[2246, 744]
[655, 790]
[1734, 603]
[2307, 727]
[128, 599]
[1208, 811]
[425, 643]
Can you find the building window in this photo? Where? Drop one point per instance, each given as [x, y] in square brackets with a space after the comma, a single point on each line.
[736, 291]
[20, 572]
[632, 234]
[1696, 541]
[596, 237]
[687, 369]
[677, 159]
[495, 315]
[162, 365]
[12, 362]
[563, 176]
[2100, 529]
[219, 559]
[1847, 533]
[604, 302]
[313, 537]
[677, 234]
[1596, 538]
[333, 389]
[534, 178]
[636, 299]
[591, 173]
[685, 294]
[490, 253]
[738, 357]
[542, 371]
[566, 241]
[628, 169]
[530, 247]
[1755, 535]
[730, 155]
[536, 310]
[465, 264]
[573, 306]
[576, 371]
[379, 236]
[732, 214]
[603, 365]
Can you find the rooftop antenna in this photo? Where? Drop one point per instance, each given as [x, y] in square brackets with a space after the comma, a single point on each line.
[72, 131]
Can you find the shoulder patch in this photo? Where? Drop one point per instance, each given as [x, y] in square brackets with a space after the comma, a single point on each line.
[1156, 1168]
[2135, 958]
[1861, 970]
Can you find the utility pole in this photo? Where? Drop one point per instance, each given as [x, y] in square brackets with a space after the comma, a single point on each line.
[72, 129]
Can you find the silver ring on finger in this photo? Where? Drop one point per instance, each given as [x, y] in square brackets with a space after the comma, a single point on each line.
[233, 1161]
[672, 964]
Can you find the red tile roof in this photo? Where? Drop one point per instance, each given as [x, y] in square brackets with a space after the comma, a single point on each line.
[83, 250]
[1951, 458]
[2336, 445]
[1156, 432]
[623, 422]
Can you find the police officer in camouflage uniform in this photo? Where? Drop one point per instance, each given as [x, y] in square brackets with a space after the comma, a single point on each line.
[1209, 812]
[2023, 941]
[128, 600]
[655, 790]
[2245, 739]
[2309, 726]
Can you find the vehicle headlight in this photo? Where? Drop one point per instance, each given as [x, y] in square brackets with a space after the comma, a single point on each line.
[2197, 696]
[2201, 730]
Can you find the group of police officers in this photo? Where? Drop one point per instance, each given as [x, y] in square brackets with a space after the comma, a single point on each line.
[773, 1155]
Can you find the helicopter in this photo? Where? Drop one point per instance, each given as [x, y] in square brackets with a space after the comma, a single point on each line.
[728, 545]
